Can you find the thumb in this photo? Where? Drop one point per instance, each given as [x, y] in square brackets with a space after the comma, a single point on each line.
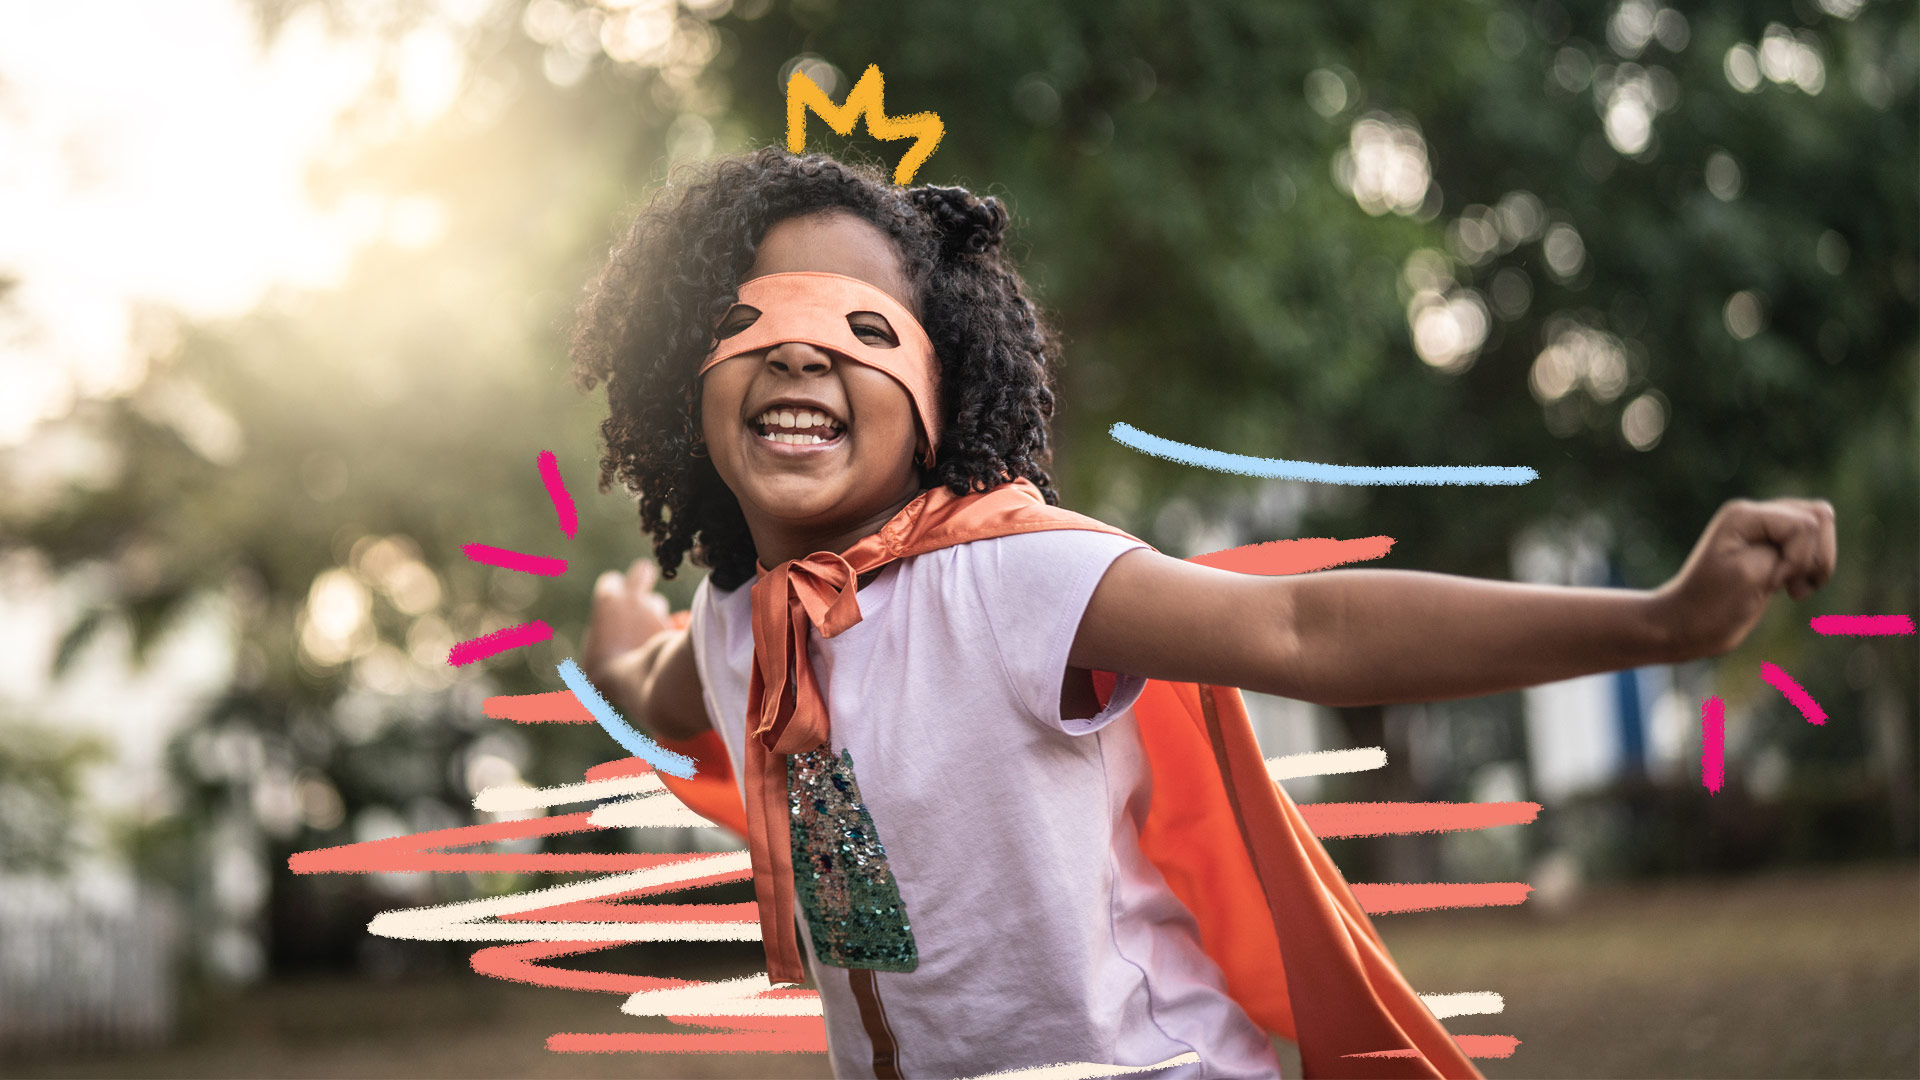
[607, 585]
[642, 576]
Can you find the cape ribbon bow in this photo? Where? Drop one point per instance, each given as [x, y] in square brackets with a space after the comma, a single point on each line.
[787, 714]
[786, 711]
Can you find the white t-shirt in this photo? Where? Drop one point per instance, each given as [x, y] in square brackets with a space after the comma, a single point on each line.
[1034, 929]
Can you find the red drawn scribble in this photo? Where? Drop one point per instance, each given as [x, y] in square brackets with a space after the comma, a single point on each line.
[1393, 898]
[606, 770]
[1713, 744]
[513, 637]
[1863, 625]
[1777, 678]
[526, 961]
[1333, 820]
[1296, 556]
[557, 707]
[1474, 1046]
[435, 852]
[728, 1020]
[557, 493]
[514, 560]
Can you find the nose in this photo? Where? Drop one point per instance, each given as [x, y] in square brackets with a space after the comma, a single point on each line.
[799, 358]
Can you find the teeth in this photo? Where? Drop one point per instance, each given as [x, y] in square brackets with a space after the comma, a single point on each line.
[796, 418]
[795, 438]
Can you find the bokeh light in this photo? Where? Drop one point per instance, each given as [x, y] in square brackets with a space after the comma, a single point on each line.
[1723, 177]
[1327, 92]
[1744, 314]
[1564, 251]
[1578, 356]
[1644, 420]
[1384, 165]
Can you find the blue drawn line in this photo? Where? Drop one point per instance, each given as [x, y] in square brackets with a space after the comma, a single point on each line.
[1312, 472]
[610, 721]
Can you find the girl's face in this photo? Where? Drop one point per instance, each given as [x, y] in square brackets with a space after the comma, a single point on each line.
[814, 485]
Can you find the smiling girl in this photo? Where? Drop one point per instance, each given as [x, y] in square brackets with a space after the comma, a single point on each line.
[834, 394]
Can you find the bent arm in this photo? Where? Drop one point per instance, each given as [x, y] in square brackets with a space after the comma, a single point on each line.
[1358, 637]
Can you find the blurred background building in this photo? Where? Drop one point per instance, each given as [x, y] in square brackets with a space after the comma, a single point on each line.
[284, 294]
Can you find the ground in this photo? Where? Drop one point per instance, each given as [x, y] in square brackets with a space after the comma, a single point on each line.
[1809, 974]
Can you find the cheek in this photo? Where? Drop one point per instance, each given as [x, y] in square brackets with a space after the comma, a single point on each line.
[719, 407]
[721, 393]
[883, 413]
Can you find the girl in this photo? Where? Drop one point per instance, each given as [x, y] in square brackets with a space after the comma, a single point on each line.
[833, 393]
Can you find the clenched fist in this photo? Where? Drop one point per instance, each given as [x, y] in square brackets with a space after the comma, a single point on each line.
[1749, 551]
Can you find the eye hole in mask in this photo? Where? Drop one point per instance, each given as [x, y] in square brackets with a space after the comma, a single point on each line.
[873, 328]
[737, 318]
[870, 327]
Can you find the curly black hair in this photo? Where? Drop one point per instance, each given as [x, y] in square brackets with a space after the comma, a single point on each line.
[648, 318]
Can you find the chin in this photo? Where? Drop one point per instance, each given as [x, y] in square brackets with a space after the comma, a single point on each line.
[795, 499]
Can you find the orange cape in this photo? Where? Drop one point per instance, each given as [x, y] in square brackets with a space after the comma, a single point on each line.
[1298, 953]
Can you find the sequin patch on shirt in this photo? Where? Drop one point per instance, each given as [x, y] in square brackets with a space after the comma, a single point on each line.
[840, 872]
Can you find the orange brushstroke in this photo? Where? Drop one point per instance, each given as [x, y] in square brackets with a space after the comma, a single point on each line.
[558, 707]
[1392, 819]
[1389, 898]
[1296, 556]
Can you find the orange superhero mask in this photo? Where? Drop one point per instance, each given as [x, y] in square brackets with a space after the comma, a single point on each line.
[813, 308]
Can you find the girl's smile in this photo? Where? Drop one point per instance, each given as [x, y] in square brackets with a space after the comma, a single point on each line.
[819, 449]
[798, 425]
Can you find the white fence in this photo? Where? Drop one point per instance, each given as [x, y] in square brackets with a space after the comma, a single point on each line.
[80, 970]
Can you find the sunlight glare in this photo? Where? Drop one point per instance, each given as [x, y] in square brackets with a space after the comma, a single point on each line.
[158, 155]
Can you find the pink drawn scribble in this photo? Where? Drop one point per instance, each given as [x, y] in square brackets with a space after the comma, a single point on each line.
[1713, 744]
[513, 637]
[1773, 676]
[514, 560]
[557, 491]
[466, 652]
[1863, 625]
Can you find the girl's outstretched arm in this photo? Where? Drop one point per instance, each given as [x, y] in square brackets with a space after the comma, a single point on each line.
[1362, 637]
[635, 656]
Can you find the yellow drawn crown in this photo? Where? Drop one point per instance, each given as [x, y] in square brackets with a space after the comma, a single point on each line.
[867, 98]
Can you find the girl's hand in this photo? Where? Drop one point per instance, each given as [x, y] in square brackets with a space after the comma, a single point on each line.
[1749, 551]
[627, 614]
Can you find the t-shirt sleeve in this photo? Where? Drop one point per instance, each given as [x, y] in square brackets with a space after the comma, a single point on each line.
[1034, 588]
[700, 635]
